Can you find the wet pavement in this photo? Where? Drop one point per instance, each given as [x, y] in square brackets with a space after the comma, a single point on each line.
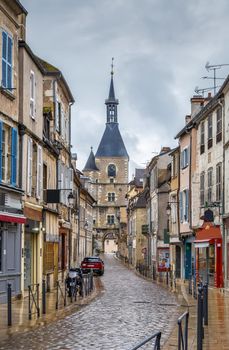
[128, 310]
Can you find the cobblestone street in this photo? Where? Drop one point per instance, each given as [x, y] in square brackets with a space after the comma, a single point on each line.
[128, 310]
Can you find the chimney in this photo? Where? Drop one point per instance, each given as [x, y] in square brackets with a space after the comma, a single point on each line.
[22, 26]
[165, 150]
[197, 103]
[74, 159]
[187, 119]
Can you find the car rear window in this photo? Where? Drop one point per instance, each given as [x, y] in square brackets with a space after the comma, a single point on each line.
[92, 260]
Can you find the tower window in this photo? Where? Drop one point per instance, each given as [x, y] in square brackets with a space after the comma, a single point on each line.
[110, 219]
[111, 197]
[111, 170]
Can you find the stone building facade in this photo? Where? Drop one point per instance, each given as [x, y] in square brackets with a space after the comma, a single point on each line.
[12, 28]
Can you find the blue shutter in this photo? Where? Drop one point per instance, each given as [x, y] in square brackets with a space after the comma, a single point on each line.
[9, 59]
[1, 150]
[4, 57]
[181, 206]
[14, 138]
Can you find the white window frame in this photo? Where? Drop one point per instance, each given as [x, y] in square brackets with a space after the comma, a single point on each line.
[32, 101]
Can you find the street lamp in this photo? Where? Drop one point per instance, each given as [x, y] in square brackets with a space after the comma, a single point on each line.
[71, 199]
[168, 209]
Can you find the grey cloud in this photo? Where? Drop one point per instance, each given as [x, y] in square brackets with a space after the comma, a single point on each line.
[160, 49]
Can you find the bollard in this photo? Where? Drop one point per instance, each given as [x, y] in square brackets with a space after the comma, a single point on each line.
[57, 296]
[38, 308]
[205, 291]
[43, 297]
[199, 318]
[9, 304]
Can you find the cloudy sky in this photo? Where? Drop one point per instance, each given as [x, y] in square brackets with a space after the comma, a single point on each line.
[160, 49]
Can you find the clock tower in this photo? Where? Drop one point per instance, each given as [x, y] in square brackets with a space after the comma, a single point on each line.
[107, 172]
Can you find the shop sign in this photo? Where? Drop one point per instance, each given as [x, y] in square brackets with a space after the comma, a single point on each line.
[163, 259]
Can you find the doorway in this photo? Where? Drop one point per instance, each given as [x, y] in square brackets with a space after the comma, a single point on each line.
[178, 261]
[188, 260]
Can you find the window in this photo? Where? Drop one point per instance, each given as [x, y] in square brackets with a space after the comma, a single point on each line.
[39, 172]
[7, 44]
[111, 197]
[210, 184]
[181, 206]
[32, 95]
[110, 219]
[185, 158]
[219, 125]
[210, 131]
[202, 199]
[8, 154]
[46, 127]
[45, 182]
[111, 170]
[218, 181]
[29, 166]
[202, 138]
[1, 245]
[186, 205]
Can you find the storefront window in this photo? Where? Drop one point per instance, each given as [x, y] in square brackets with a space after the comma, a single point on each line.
[0, 251]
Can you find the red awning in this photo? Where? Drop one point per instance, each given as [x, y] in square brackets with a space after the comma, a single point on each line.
[207, 233]
[10, 217]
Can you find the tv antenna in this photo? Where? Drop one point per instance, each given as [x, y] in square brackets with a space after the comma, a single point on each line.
[214, 67]
[203, 90]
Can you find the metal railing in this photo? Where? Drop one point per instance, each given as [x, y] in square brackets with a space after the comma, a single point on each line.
[34, 300]
[156, 345]
[61, 293]
[88, 283]
[143, 269]
[183, 331]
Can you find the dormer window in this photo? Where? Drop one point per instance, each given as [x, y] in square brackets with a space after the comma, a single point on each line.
[111, 171]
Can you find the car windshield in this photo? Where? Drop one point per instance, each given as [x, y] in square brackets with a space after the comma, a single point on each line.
[92, 260]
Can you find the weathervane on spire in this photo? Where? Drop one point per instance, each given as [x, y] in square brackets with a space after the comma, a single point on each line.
[112, 66]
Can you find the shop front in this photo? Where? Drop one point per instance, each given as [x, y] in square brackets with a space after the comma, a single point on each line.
[208, 246]
[32, 247]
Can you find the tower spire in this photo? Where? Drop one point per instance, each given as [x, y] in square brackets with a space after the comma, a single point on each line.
[112, 102]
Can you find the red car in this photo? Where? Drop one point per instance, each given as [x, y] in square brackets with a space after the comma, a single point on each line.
[93, 263]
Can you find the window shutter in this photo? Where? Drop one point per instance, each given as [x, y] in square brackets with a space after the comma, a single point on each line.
[9, 66]
[187, 204]
[29, 166]
[14, 140]
[62, 127]
[57, 124]
[4, 56]
[181, 159]
[181, 207]
[39, 172]
[188, 156]
[71, 179]
[1, 150]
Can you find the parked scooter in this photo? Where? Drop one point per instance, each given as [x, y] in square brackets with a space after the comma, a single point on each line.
[74, 282]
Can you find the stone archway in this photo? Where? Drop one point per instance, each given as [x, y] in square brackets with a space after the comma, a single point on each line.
[110, 242]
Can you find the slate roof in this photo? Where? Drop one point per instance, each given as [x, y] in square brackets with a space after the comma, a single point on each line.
[90, 164]
[111, 144]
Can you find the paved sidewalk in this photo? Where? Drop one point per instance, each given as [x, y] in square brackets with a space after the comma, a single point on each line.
[20, 311]
[217, 331]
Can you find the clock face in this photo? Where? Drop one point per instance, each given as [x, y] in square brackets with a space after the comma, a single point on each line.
[112, 170]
